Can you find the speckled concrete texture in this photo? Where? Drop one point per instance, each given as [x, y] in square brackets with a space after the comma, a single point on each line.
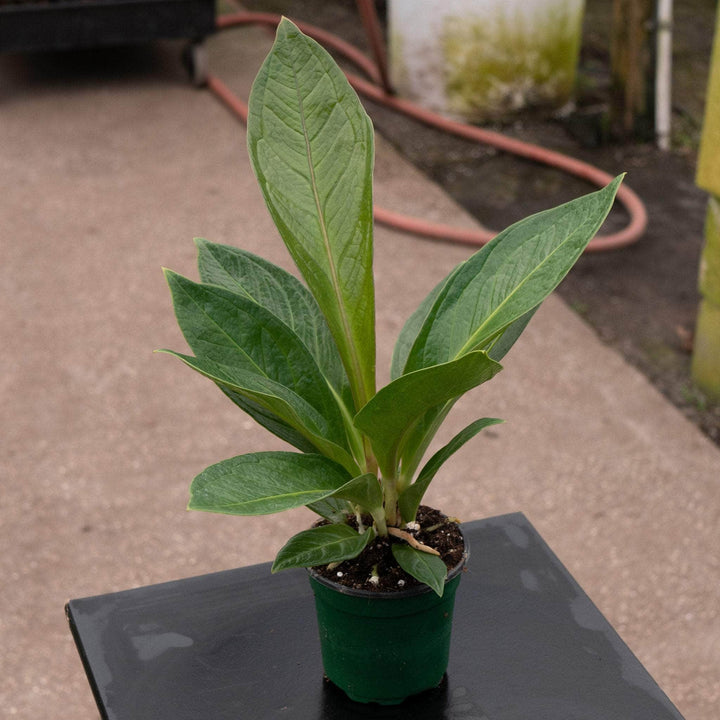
[111, 163]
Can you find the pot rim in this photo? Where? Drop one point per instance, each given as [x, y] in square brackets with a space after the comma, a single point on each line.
[395, 594]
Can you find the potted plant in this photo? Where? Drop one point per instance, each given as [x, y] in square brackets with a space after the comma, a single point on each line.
[300, 360]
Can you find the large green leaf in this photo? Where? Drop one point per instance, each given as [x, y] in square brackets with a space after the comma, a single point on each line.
[391, 415]
[507, 278]
[410, 498]
[311, 146]
[413, 325]
[419, 438]
[497, 350]
[265, 482]
[426, 568]
[233, 332]
[322, 545]
[332, 509]
[509, 336]
[280, 402]
[421, 435]
[279, 292]
[365, 492]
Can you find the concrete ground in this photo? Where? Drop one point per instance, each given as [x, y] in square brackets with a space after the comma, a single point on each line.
[111, 164]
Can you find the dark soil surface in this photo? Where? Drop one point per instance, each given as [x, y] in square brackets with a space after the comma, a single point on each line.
[436, 531]
[643, 299]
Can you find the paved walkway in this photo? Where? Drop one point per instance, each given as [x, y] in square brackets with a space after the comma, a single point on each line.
[111, 164]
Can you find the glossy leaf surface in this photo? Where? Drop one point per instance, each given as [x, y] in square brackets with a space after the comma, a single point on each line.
[232, 331]
[413, 325]
[391, 415]
[265, 482]
[426, 568]
[507, 278]
[322, 545]
[332, 509]
[311, 146]
[281, 402]
[279, 292]
[366, 493]
[363, 490]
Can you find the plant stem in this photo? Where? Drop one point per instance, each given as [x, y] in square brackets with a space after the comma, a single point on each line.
[390, 491]
[371, 465]
[357, 442]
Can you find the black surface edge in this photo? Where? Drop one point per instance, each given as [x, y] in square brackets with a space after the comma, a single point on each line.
[259, 570]
[85, 662]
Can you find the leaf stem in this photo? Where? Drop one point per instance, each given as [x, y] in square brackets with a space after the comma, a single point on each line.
[381, 525]
[358, 444]
[359, 382]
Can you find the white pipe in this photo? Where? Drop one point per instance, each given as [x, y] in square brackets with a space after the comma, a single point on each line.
[663, 74]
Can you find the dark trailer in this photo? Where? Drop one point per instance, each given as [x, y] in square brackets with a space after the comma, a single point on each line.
[45, 25]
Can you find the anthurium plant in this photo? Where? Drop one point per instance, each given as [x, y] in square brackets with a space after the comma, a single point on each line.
[299, 358]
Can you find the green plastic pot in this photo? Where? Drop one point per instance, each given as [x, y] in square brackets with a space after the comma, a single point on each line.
[385, 647]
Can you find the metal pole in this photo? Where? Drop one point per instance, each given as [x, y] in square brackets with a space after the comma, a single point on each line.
[663, 74]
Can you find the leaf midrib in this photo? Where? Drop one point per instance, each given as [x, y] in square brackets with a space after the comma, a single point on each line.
[265, 498]
[471, 342]
[359, 376]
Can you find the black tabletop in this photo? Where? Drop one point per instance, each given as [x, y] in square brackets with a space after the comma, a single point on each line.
[528, 644]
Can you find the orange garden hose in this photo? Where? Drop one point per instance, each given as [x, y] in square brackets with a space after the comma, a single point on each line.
[377, 90]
